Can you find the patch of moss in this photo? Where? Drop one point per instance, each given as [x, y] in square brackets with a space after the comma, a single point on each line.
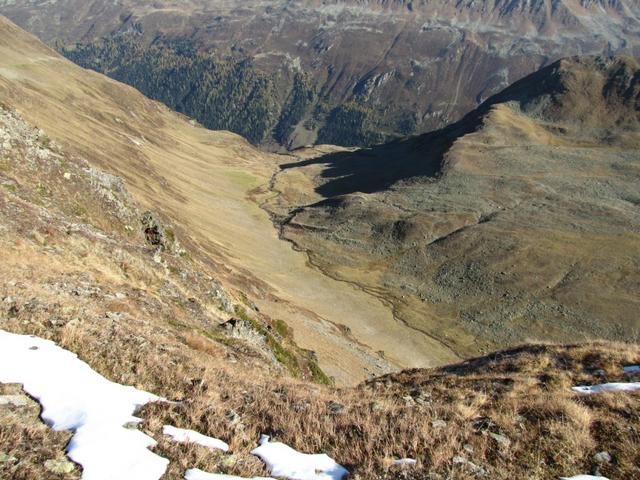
[219, 337]
[282, 328]
[282, 354]
[79, 210]
[45, 141]
[317, 374]
[42, 190]
[169, 235]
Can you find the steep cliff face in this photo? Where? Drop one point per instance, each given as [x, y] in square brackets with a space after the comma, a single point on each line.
[341, 72]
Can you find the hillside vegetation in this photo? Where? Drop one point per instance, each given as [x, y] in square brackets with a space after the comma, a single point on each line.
[519, 222]
[133, 237]
[371, 70]
[119, 288]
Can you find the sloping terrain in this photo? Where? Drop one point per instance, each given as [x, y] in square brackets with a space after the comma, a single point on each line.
[140, 276]
[348, 72]
[519, 222]
[210, 185]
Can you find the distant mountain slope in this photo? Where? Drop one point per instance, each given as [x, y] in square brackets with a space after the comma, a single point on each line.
[519, 222]
[341, 72]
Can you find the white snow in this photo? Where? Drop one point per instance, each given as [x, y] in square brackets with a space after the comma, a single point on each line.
[284, 461]
[76, 398]
[197, 474]
[607, 387]
[584, 477]
[632, 369]
[405, 461]
[191, 436]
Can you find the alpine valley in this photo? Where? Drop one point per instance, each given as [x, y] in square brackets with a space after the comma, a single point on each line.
[442, 282]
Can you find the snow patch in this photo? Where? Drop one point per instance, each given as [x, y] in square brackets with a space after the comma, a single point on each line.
[76, 398]
[197, 474]
[405, 461]
[607, 387]
[584, 477]
[191, 436]
[284, 461]
[632, 369]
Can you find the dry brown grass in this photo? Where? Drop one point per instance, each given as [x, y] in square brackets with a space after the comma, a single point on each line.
[523, 394]
[551, 431]
[98, 291]
[26, 443]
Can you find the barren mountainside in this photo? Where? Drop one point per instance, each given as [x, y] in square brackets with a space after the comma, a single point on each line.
[290, 74]
[519, 222]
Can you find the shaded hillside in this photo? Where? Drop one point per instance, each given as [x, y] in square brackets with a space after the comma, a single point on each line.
[220, 94]
[345, 72]
[519, 222]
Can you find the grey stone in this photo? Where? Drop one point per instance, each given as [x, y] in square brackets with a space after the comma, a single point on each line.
[438, 423]
[14, 400]
[602, 457]
[59, 466]
[233, 416]
[408, 399]
[501, 439]
[335, 408]
[475, 469]
[115, 315]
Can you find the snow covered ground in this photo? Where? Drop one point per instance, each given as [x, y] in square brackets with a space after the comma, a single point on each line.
[191, 436]
[197, 474]
[74, 397]
[584, 477]
[405, 461]
[607, 387]
[284, 461]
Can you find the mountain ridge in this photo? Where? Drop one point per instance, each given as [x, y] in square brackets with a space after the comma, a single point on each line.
[449, 225]
[349, 73]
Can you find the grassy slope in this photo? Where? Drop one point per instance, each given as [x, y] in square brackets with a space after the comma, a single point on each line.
[72, 271]
[202, 180]
[530, 232]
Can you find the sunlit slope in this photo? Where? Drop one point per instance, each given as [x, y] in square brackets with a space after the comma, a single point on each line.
[207, 182]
